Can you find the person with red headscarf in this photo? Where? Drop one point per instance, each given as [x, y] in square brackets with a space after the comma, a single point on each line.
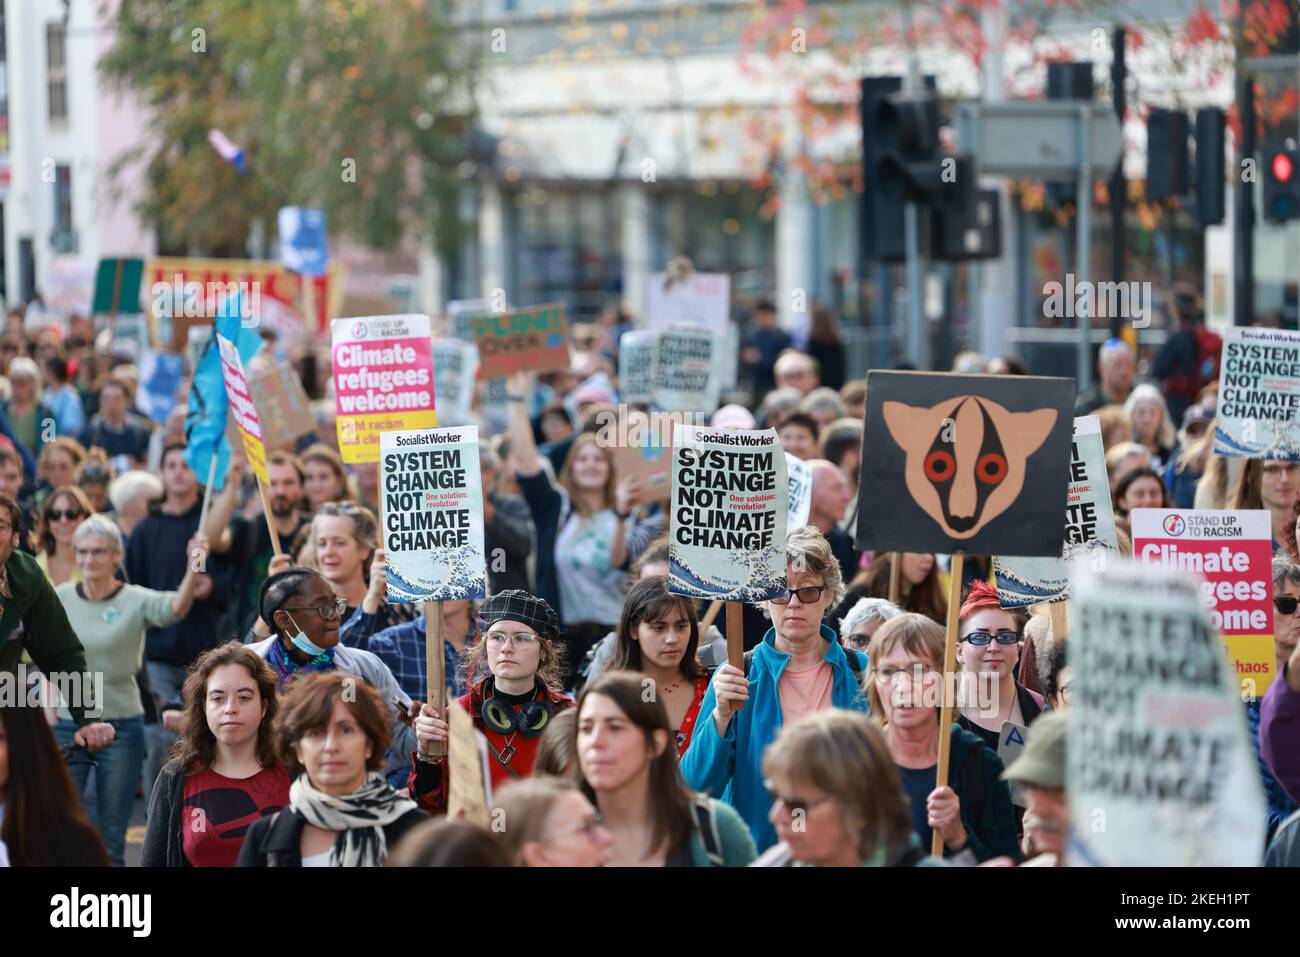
[988, 649]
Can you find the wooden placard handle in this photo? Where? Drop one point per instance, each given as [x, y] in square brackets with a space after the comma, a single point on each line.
[435, 670]
[949, 667]
[736, 641]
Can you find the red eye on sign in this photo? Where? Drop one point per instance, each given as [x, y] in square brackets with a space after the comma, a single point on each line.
[991, 468]
[939, 466]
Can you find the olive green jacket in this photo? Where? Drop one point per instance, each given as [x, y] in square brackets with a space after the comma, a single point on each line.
[34, 620]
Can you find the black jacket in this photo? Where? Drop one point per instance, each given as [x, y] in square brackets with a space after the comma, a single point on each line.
[276, 841]
[162, 835]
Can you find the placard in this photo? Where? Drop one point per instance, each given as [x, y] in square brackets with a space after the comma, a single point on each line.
[701, 299]
[799, 479]
[651, 463]
[459, 314]
[523, 340]
[727, 522]
[303, 246]
[433, 515]
[1231, 553]
[242, 409]
[383, 380]
[283, 407]
[1160, 770]
[1259, 394]
[160, 380]
[1089, 525]
[467, 787]
[687, 371]
[455, 365]
[636, 365]
[964, 463]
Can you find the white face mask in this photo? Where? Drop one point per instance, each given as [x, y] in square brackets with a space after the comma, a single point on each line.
[303, 643]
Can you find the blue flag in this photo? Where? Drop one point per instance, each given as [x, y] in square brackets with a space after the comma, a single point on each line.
[205, 424]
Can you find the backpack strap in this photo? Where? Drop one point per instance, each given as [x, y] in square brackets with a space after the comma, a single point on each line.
[707, 824]
[972, 782]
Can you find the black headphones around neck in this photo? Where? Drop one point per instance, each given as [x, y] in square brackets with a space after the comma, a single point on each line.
[530, 720]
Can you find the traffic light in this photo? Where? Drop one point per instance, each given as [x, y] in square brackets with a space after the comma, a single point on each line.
[1210, 172]
[1166, 154]
[1281, 184]
[1067, 81]
[882, 213]
[966, 221]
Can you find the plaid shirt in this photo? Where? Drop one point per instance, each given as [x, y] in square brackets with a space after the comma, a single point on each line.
[401, 647]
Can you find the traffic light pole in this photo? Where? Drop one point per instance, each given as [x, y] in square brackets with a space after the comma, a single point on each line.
[918, 340]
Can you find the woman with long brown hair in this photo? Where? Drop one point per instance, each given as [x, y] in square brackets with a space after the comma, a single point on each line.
[223, 772]
[628, 769]
[42, 823]
[582, 525]
[658, 637]
[1272, 484]
[64, 511]
[922, 587]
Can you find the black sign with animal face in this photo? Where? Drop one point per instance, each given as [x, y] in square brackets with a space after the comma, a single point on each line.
[969, 463]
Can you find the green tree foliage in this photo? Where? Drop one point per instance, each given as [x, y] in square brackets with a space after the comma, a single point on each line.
[363, 107]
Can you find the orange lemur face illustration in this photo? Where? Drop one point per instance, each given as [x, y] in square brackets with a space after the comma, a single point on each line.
[966, 457]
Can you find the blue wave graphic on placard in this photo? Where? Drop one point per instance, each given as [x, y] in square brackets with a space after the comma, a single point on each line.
[1285, 447]
[466, 582]
[683, 580]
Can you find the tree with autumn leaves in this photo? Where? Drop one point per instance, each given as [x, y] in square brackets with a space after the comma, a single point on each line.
[364, 109]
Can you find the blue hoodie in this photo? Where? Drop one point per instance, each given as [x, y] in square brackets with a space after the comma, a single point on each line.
[730, 766]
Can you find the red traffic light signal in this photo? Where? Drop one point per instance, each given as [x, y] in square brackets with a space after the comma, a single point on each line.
[1282, 167]
[1281, 185]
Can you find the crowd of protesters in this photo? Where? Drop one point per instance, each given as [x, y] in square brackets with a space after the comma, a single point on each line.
[274, 695]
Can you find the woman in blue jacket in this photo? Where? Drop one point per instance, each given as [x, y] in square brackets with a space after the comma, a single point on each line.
[799, 667]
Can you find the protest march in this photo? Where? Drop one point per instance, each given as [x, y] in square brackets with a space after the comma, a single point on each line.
[541, 434]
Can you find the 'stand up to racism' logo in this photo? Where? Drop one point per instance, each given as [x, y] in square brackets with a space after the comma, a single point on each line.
[359, 330]
[966, 457]
[1174, 525]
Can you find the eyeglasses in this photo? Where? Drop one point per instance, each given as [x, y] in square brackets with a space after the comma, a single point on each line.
[90, 552]
[587, 828]
[326, 612]
[888, 676]
[792, 804]
[71, 515]
[807, 595]
[1276, 468]
[498, 638]
[1063, 693]
[1286, 604]
[859, 640]
[981, 637]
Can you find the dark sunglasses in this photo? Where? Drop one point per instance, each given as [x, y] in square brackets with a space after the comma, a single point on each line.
[1286, 604]
[808, 595]
[981, 637]
[59, 515]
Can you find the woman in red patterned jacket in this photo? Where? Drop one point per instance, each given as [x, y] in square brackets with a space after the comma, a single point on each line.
[512, 705]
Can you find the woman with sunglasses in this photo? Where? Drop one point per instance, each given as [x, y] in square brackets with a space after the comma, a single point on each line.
[988, 650]
[799, 667]
[627, 767]
[344, 537]
[65, 509]
[302, 613]
[973, 810]
[111, 619]
[512, 705]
